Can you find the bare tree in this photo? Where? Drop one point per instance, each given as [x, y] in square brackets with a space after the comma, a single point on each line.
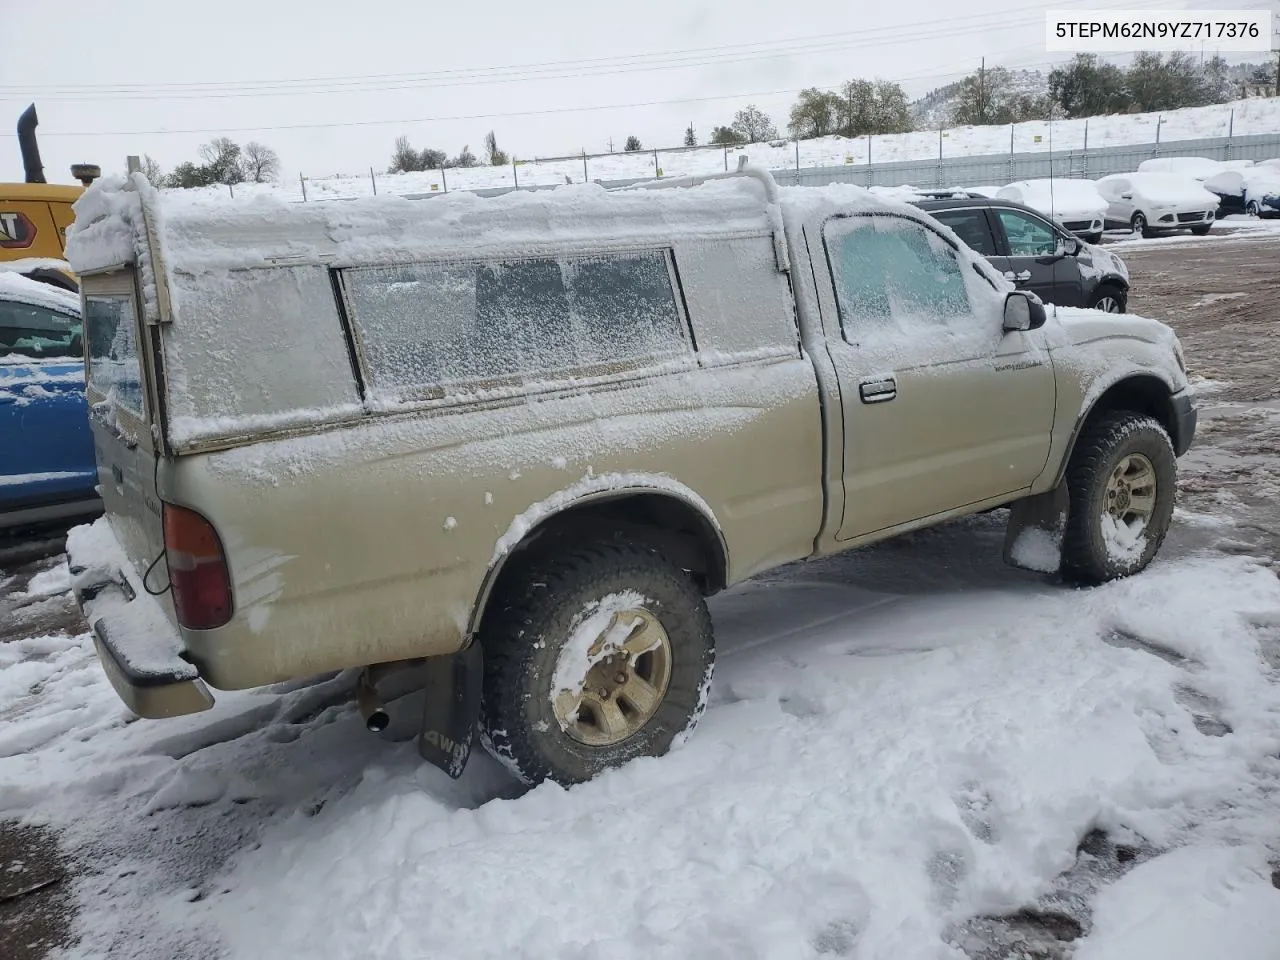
[151, 170]
[260, 162]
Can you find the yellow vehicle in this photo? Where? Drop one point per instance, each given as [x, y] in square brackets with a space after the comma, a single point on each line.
[34, 215]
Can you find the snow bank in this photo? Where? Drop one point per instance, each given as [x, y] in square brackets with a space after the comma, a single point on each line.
[1190, 904]
[1061, 199]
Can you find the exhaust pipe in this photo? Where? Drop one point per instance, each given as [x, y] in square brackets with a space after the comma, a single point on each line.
[31, 164]
[370, 704]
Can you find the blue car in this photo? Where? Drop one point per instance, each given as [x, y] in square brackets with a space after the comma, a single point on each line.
[48, 469]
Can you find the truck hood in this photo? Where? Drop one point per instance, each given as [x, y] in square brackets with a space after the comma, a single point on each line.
[1082, 326]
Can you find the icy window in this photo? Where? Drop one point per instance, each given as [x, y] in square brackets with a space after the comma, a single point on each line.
[893, 272]
[434, 324]
[971, 227]
[31, 331]
[114, 370]
[1028, 236]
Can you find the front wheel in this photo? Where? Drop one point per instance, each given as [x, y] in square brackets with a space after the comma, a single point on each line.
[1094, 238]
[593, 656]
[1108, 298]
[1202, 229]
[1140, 225]
[1121, 480]
[1253, 208]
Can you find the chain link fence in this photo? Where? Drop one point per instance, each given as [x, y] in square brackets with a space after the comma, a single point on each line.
[1001, 168]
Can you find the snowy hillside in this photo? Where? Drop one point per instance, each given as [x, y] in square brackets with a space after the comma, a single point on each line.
[1251, 117]
[934, 109]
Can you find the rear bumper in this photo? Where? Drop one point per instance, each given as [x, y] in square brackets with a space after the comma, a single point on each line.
[1184, 420]
[139, 649]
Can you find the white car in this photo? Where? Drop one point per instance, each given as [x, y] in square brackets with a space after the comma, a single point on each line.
[1155, 203]
[1075, 205]
[1197, 168]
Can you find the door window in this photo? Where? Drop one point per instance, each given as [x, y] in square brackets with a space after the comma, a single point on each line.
[971, 227]
[1028, 236]
[892, 273]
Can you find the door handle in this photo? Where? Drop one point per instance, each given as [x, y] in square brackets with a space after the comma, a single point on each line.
[1021, 277]
[878, 391]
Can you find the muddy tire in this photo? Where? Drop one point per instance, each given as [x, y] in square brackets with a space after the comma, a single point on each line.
[1108, 297]
[593, 656]
[1121, 478]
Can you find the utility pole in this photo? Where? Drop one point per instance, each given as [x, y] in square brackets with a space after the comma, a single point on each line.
[611, 144]
[982, 92]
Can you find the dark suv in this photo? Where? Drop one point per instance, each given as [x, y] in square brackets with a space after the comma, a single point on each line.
[1032, 251]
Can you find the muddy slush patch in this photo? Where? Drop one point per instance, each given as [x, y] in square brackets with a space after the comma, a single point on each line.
[35, 916]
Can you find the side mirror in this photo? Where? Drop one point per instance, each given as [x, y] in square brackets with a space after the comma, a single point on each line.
[1126, 196]
[1069, 247]
[1022, 312]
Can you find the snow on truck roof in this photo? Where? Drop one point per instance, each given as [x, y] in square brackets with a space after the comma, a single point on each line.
[198, 233]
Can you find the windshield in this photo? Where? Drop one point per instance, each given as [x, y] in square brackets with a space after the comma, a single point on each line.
[38, 332]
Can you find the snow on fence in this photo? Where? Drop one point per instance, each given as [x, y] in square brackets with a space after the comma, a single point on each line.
[999, 169]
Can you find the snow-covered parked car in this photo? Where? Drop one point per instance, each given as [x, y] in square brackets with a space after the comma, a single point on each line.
[1255, 192]
[1154, 203]
[1075, 204]
[1197, 168]
[503, 449]
[47, 469]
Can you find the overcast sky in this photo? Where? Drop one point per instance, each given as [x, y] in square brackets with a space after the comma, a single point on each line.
[330, 84]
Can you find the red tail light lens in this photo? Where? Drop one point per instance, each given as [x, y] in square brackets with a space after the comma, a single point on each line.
[197, 569]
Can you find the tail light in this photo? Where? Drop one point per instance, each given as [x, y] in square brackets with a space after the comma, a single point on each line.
[197, 569]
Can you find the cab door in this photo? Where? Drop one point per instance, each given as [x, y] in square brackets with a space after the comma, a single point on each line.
[941, 408]
[1038, 259]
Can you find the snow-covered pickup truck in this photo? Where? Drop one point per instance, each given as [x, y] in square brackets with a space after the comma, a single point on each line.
[501, 450]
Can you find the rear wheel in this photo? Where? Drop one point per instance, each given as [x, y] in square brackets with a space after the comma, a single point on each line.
[593, 657]
[1140, 225]
[1121, 481]
[1109, 298]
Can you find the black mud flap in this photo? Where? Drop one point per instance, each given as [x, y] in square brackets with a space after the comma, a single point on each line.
[452, 708]
[1045, 513]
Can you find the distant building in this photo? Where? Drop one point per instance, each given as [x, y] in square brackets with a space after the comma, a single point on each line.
[1259, 85]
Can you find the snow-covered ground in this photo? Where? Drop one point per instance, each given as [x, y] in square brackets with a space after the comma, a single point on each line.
[901, 742]
[1259, 116]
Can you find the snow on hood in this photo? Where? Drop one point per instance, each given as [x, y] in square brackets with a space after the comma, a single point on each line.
[1063, 198]
[16, 287]
[1170, 188]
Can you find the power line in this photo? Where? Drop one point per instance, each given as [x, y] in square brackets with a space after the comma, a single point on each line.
[478, 116]
[571, 69]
